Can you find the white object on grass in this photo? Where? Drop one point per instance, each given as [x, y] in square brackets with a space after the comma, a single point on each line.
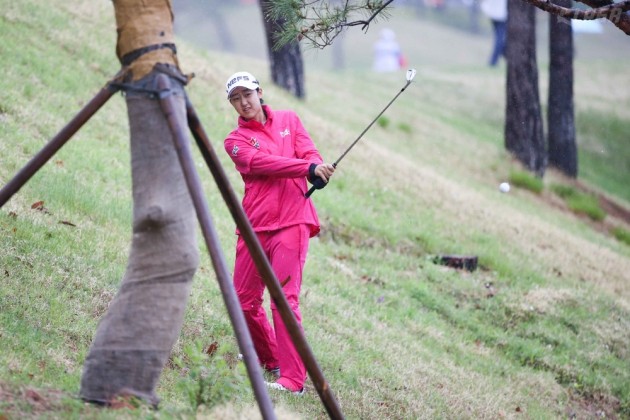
[504, 187]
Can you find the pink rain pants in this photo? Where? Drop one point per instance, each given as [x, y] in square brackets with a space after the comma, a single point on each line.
[286, 250]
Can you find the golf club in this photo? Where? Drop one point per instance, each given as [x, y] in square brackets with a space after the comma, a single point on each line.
[411, 73]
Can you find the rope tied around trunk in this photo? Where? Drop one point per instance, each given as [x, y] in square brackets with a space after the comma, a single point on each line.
[147, 86]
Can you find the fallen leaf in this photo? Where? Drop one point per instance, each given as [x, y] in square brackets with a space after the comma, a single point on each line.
[64, 222]
[212, 348]
[39, 205]
[33, 395]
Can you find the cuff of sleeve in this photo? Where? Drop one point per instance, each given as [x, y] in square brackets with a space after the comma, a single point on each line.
[311, 172]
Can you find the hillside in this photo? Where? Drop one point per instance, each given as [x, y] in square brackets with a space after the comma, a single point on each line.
[540, 330]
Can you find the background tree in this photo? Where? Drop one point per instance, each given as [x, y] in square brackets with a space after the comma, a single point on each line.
[287, 66]
[523, 121]
[338, 55]
[562, 149]
[218, 19]
[214, 11]
[473, 16]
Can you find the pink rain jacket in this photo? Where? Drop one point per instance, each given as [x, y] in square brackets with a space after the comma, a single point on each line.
[274, 161]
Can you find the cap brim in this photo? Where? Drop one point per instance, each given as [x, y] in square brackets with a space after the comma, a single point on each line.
[245, 84]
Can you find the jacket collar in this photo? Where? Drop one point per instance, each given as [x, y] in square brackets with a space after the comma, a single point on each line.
[253, 123]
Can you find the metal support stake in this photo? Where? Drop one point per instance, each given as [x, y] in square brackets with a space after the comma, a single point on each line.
[180, 136]
[55, 144]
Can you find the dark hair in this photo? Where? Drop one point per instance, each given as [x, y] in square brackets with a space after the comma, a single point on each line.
[261, 99]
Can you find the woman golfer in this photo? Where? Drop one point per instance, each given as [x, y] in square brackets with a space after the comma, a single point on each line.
[274, 155]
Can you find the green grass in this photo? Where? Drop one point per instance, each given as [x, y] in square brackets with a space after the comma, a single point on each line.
[579, 202]
[603, 154]
[405, 128]
[539, 330]
[383, 122]
[526, 180]
[622, 234]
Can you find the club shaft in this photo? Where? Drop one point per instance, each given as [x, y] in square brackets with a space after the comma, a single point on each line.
[312, 189]
[370, 125]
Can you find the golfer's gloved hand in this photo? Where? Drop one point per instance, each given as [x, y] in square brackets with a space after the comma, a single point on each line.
[314, 172]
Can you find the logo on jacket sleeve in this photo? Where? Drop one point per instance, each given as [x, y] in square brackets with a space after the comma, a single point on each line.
[234, 150]
[284, 133]
[254, 142]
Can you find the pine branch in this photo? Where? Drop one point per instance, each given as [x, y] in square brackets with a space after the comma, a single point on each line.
[320, 22]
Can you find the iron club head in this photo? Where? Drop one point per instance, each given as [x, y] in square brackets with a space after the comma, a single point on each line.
[411, 73]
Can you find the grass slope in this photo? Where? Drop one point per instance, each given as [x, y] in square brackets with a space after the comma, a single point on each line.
[541, 329]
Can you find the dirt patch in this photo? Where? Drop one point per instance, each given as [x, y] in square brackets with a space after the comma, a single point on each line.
[26, 402]
[596, 406]
[345, 234]
[613, 208]
[616, 215]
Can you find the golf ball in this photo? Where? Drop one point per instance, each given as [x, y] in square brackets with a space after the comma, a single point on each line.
[504, 187]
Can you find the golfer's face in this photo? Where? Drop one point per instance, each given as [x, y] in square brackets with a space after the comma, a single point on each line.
[246, 102]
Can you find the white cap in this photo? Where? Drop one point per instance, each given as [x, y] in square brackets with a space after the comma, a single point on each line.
[241, 78]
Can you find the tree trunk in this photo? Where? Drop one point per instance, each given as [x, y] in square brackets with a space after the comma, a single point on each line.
[560, 114]
[223, 30]
[134, 339]
[523, 121]
[473, 16]
[338, 54]
[287, 66]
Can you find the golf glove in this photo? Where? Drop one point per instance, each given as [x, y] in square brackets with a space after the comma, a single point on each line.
[317, 182]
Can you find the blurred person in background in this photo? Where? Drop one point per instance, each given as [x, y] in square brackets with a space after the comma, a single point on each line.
[388, 56]
[496, 10]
